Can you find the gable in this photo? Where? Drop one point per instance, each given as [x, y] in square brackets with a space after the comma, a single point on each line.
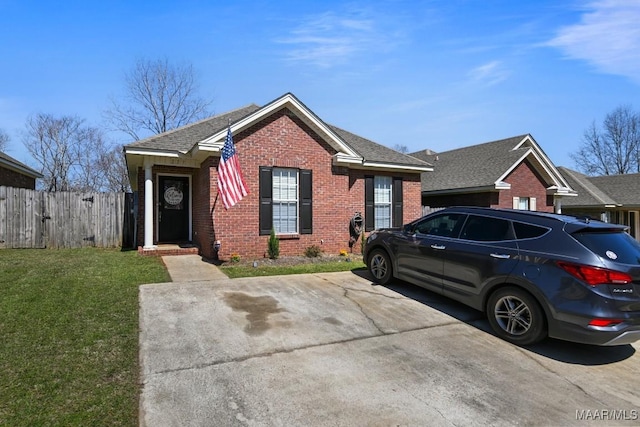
[485, 167]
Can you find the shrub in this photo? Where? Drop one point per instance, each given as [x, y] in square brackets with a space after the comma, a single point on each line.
[235, 258]
[273, 247]
[313, 251]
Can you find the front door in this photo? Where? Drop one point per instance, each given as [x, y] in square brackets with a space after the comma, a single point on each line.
[173, 209]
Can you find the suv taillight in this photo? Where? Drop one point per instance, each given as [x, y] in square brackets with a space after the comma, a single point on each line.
[594, 275]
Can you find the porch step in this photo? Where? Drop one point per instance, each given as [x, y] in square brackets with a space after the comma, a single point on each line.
[170, 249]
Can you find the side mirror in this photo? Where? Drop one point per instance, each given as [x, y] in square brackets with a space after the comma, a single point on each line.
[407, 229]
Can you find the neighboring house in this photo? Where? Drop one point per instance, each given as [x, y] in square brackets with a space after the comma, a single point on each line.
[610, 198]
[16, 174]
[509, 173]
[306, 179]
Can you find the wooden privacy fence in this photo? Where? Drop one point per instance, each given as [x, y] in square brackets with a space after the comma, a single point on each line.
[38, 219]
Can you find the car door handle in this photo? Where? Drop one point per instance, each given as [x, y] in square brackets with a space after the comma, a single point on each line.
[501, 256]
[440, 247]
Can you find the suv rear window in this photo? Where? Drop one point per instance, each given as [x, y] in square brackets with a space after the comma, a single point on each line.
[614, 245]
[528, 231]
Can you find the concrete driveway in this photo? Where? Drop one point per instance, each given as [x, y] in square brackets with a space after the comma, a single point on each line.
[334, 350]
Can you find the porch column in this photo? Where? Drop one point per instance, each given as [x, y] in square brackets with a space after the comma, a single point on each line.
[148, 206]
[558, 203]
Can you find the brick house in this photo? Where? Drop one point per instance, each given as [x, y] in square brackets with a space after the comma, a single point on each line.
[16, 174]
[306, 179]
[610, 198]
[509, 173]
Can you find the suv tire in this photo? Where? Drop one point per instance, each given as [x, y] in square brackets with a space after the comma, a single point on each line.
[516, 316]
[380, 267]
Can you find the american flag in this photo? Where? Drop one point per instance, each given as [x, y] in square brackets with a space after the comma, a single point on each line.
[231, 185]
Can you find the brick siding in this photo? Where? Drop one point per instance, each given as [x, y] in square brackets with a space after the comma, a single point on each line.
[11, 178]
[526, 182]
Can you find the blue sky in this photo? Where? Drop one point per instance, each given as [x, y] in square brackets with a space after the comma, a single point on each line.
[424, 74]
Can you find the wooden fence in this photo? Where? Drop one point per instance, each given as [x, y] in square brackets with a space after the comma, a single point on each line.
[38, 219]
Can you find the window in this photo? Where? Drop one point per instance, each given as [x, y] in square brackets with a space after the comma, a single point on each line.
[443, 225]
[285, 201]
[524, 203]
[528, 231]
[613, 245]
[382, 202]
[486, 229]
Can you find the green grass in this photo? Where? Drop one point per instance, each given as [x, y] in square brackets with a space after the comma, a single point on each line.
[69, 335]
[235, 271]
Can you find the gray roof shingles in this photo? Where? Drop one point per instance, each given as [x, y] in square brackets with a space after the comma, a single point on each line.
[470, 167]
[374, 152]
[624, 189]
[588, 193]
[184, 138]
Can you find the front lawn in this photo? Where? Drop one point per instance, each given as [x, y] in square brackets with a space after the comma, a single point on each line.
[69, 335]
[291, 265]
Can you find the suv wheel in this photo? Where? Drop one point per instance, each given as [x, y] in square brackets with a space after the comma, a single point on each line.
[516, 316]
[380, 266]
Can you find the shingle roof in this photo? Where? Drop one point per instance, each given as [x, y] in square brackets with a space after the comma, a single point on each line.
[588, 193]
[469, 167]
[184, 138]
[624, 189]
[374, 152]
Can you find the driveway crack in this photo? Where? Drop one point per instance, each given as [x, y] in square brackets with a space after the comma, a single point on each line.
[289, 350]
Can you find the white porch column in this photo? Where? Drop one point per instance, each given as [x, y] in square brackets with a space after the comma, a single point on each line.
[558, 203]
[148, 206]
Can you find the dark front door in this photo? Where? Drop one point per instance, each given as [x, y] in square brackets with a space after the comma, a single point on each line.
[173, 211]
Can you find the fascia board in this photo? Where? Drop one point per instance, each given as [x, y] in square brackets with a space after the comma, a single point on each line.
[20, 169]
[391, 166]
[152, 152]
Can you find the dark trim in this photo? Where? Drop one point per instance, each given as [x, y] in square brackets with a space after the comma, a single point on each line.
[397, 203]
[266, 200]
[369, 219]
[306, 205]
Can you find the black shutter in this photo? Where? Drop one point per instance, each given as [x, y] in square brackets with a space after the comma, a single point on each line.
[368, 204]
[397, 202]
[306, 194]
[266, 199]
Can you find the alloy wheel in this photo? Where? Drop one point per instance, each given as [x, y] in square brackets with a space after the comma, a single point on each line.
[513, 315]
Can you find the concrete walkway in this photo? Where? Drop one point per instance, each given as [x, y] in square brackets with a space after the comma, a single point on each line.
[191, 268]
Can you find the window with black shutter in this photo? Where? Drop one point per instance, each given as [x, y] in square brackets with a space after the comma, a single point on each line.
[286, 201]
[383, 204]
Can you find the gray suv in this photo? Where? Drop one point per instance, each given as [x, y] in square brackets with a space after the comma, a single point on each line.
[534, 274]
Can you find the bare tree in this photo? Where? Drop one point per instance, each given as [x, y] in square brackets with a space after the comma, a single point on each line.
[116, 175]
[614, 149]
[4, 140]
[159, 97]
[401, 148]
[67, 152]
